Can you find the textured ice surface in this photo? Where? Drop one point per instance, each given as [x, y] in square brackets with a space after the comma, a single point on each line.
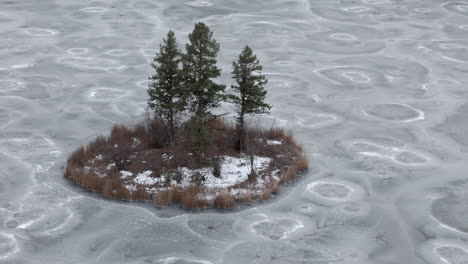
[374, 89]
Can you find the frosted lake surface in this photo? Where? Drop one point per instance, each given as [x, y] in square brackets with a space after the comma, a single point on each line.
[374, 89]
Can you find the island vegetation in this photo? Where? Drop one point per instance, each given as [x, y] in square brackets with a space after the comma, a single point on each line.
[183, 153]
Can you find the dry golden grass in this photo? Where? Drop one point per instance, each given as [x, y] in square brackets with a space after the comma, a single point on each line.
[275, 133]
[189, 198]
[301, 164]
[120, 133]
[246, 198]
[274, 187]
[140, 194]
[265, 194]
[78, 158]
[167, 197]
[163, 198]
[224, 200]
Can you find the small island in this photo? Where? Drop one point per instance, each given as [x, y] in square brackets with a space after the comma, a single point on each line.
[182, 153]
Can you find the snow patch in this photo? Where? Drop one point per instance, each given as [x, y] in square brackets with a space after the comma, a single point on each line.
[274, 142]
[125, 174]
[145, 179]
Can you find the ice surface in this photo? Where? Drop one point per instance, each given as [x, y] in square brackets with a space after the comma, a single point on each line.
[374, 89]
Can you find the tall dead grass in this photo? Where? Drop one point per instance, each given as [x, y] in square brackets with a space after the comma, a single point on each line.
[224, 200]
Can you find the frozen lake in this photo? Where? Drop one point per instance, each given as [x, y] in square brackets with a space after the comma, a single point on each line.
[374, 89]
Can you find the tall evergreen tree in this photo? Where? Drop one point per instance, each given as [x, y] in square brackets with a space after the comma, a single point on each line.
[250, 92]
[166, 94]
[199, 69]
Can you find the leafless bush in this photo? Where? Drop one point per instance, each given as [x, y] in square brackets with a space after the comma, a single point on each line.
[246, 198]
[301, 164]
[265, 194]
[140, 194]
[273, 186]
[224, 200]
[189, 198]
[97, 146]
[166, 197]
[78, 158]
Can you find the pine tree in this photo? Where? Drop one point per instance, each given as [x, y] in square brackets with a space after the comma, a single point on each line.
[199, 70]
[250, 92]
[166, 94]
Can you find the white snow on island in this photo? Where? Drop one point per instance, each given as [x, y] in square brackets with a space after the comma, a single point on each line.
[145, 179]
[234, 170]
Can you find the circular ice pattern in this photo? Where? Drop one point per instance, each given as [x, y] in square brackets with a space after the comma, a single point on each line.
[199, 3]
[394, 112]
[333, 191]
[451, 212]
[277, 228]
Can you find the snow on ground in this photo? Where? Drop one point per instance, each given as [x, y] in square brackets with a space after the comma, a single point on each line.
[145, 179]
[274, 142]
[125, 174]
[234, 171]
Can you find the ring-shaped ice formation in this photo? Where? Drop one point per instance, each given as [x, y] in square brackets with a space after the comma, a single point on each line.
[444, 251]
[343, 36]
[333, 191]
[394, 112]
[177, 260]
[8, 85]
[8, 245]
[318, 120]
[77, 51]
[399, 155]
[451, 213]
[276, 228]
[92, 63]
[117, 52]
[41, 32]
[351, 76]
[94, 9]
[356, 9]
[198, 3]
[457, 7]
[106, 94]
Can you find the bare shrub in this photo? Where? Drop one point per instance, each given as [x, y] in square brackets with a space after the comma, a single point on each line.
[108, 188]
[68, 171]
[224, 200]
[140, 194]
[163, 198]
[275, 133]
[120, 134]
[265, 194]
[246, 198]
[120, 154]
[158, 136]
[189, 198]
[78, 158]
[273, 186]
[301, 164]
[120, 192]
[97, 146]
[289, 175]
[91, 181]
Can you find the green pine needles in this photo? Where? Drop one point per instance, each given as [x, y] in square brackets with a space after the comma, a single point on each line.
[185, 83]
[199, 69]
[250, 93]
[167, 95]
